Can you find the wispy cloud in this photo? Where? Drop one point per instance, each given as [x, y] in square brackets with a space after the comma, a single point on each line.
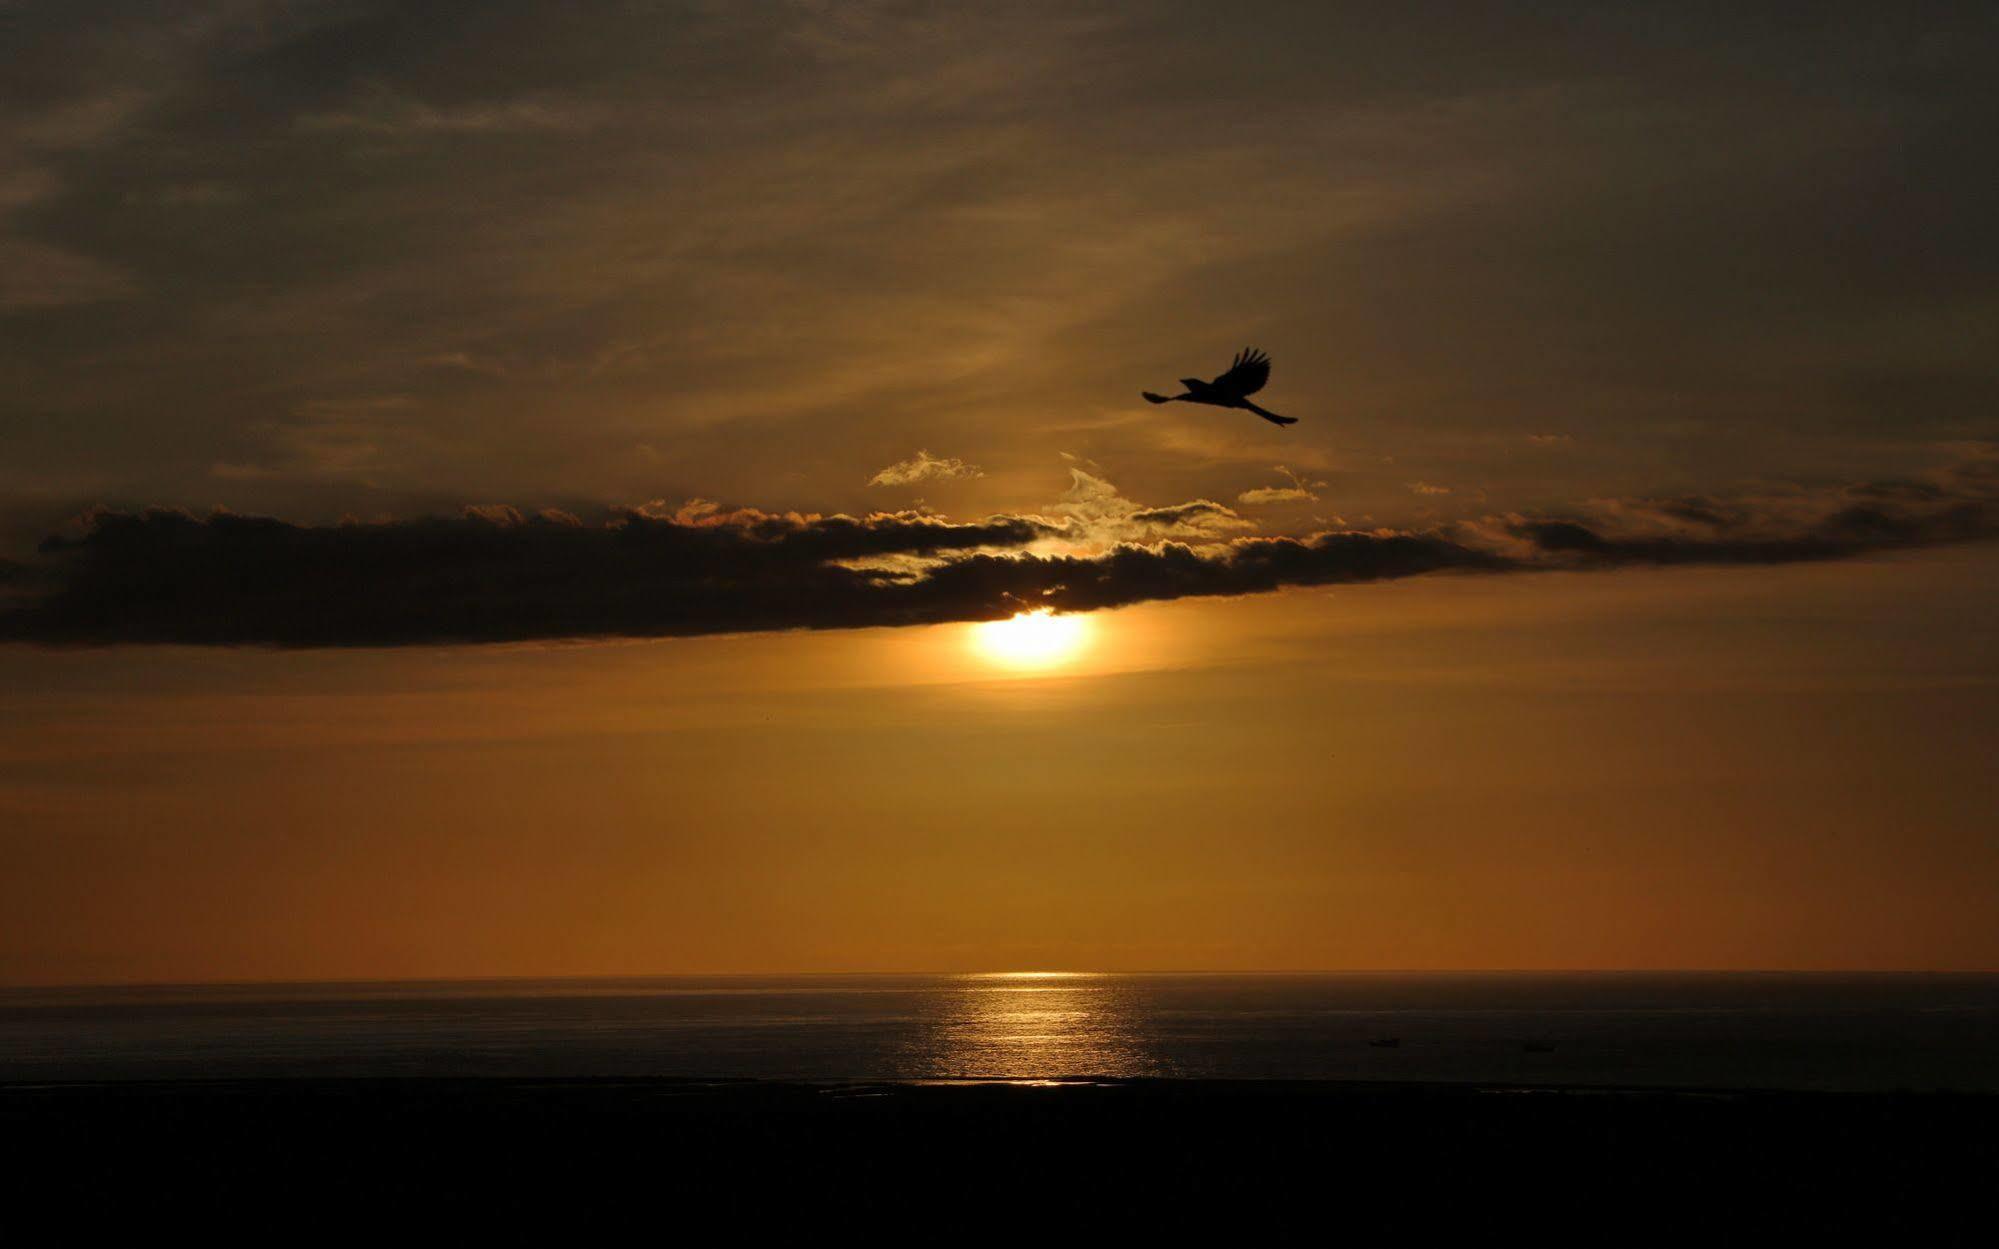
[35, 275]
[35, 272]
[1299, 491]
[383, 112]
[923, 467]
[1099, 514]
[330, 438]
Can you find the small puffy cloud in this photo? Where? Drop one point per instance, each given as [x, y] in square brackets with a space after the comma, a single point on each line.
[1424, 487]
[1551, 440]
[922, 467]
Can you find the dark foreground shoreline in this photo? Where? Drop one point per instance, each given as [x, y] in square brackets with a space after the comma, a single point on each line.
[597, 1161]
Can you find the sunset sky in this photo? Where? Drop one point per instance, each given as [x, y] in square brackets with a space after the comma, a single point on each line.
[517, 489]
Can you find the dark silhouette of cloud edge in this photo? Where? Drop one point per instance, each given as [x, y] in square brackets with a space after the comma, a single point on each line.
[492, 574]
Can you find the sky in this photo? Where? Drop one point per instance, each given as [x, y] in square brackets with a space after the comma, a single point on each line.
[528, 490]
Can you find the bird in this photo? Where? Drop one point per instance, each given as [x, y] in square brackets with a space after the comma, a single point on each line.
[1246, 376]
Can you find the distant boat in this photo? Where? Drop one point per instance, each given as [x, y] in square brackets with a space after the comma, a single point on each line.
[1538, 1047]
[1386, 1042]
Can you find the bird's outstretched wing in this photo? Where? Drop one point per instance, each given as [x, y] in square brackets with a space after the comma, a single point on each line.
[1247, 375]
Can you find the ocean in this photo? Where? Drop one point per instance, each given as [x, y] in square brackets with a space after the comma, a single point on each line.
[1715, 1030]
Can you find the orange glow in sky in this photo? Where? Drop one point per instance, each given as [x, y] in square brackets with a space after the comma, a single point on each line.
[1033, 640]
[556, 496]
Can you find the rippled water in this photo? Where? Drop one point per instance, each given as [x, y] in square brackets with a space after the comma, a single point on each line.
[1792, 1031]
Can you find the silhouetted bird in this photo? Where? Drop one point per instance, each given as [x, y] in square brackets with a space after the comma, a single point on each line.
[1232, 389]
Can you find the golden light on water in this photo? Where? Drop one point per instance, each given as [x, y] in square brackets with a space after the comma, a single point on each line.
[1039, 1025]
[1032, 640]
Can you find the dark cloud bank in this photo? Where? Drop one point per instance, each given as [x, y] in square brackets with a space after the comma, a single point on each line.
[493, 575]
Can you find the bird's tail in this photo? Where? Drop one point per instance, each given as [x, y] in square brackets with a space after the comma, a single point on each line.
[1272, 417]
[1152, 398]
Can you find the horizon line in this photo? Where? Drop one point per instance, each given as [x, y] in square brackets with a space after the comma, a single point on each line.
[1020, 973]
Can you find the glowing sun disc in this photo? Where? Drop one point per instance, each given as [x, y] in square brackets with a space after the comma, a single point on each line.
[1038, 639]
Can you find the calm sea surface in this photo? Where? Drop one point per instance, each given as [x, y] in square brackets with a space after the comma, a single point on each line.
[1710, 1030]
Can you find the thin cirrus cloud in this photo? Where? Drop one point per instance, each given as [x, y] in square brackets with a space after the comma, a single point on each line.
[494, 575]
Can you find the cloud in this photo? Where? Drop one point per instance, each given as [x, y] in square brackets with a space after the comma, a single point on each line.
[489, 574]
[354, 438]
[924, 466]
[36, 273]
[383, 112]
[492, 574]
[821, 228]
[1098, 514]
[1959, 504]
[1299, 491]
[1424, 487]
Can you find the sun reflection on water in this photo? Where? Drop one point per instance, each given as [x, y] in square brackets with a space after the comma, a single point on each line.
[1038, 1026]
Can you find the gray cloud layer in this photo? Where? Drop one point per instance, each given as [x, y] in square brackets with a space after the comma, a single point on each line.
[449, 251]
[493, 575]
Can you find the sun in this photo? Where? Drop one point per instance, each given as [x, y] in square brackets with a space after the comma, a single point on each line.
[1036, 639]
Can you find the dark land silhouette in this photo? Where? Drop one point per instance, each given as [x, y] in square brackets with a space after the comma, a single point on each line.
[462, 1161]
